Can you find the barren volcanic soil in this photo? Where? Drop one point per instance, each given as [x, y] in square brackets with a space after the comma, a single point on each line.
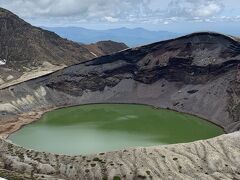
[196, 74]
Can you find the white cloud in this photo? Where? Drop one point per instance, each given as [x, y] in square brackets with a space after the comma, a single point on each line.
[187, 7]
[194, 8]
[57, 12]
[207, 9]
[81, 8]
[111, 19]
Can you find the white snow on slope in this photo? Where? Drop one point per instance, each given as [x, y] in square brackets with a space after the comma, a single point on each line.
[2, 178]
[3, 62]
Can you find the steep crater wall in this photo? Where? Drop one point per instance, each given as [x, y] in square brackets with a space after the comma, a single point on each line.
[177, 76]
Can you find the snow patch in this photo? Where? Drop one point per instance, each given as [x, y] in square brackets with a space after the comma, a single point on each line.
[2, 62]
[93, 54]
[10, 77]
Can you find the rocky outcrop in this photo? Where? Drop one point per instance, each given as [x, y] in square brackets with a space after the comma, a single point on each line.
[196, 74]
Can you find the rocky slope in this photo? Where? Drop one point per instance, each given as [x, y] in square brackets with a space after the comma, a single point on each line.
[102, 48]
[217, 158]
[30, 51]
[196, 74]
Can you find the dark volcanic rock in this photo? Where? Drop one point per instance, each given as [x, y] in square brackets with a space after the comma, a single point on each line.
[151, 63]
[192, 91]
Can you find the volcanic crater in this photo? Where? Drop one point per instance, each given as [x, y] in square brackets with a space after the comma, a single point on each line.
[196, 74]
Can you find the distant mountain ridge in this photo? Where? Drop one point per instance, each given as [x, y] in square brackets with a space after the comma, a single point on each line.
[131, 37]
[102, 48]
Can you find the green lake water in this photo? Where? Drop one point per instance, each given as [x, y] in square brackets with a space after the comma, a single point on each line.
[105, 127]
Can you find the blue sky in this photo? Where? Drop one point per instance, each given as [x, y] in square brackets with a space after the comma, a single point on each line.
[173, 15]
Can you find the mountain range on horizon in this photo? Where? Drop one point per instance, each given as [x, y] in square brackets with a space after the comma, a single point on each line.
[132, 37]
